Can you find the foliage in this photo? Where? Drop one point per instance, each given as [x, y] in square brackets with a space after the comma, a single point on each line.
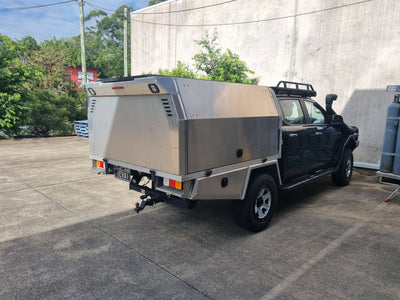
[153, 2]
[35, 95]
[53, 114]
[51, 63]
[214, 64]
[220, 66]
[105, 42]
[69, 48]
[25, 46]
[13, 94]
[35, 92]
[182, 70]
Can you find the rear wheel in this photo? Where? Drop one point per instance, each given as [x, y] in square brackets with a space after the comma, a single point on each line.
[343, 175]
[256, 210]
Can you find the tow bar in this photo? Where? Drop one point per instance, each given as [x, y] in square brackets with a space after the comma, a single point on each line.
[147, 202]
[152, 197]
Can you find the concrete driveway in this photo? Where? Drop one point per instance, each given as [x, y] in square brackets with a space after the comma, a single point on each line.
[66, 232]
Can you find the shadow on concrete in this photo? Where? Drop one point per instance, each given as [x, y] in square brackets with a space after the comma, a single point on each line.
[306, 194]
[164, 253]
[160, 254]
[167, 252]
[367, 110]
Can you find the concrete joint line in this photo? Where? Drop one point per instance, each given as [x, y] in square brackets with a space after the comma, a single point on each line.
[165, 269]
[31, 187]
[126, 245]
[284, 284]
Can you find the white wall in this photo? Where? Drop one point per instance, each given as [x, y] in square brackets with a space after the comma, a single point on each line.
[338, 46]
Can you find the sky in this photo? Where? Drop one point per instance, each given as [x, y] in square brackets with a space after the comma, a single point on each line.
[18, 19]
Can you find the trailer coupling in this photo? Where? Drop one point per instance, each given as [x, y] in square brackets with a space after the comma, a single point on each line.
[151, 197]
[147, 202]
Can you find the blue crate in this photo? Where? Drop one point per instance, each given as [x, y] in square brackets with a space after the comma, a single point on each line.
[81, 128]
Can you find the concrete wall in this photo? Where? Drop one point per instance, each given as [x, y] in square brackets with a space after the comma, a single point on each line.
[347, 47]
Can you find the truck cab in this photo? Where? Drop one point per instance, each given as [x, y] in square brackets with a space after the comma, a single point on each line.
[313, 140]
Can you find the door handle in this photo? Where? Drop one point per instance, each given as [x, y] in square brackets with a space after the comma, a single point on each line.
[293, 134]
[318, 133]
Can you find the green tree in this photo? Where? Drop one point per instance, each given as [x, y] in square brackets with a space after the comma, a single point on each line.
[54, 102]
[52, 64]
[53, 114]
[153, 2]
[220, 66]
[36, 97]
[104, 42]
[13, 93]
[214, 64]
[24, 47]
[69, 47]
[182, 70]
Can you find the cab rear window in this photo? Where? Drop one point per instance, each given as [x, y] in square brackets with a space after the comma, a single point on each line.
[292, 112]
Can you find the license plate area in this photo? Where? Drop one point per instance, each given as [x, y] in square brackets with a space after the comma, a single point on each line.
[123, 174]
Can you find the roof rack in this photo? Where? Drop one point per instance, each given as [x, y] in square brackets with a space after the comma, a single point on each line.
[294, 89]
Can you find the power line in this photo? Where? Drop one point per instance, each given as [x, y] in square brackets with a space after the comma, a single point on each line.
[254, 21]
[102, 8]
[98, 7]
[36, 6]
[183, 10]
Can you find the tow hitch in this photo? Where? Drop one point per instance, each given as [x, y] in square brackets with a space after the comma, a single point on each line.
[147, 202]
[152, 197]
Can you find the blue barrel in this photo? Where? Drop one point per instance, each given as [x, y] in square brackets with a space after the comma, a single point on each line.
[391, 136]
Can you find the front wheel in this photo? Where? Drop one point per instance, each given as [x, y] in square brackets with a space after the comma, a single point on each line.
[256, 210]
[343, 175]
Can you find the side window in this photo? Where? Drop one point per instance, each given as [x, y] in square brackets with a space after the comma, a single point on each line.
[292, 112]
[315, 114]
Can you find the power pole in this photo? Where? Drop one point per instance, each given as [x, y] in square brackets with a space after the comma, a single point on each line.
[125, 42]
[83, 55]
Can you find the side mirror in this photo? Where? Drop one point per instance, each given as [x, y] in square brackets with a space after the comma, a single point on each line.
[328, 103]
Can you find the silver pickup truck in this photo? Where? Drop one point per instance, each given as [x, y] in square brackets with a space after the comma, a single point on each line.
[186, 139]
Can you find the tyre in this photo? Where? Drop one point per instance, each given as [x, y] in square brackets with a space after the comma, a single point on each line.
[256, 210]
[343, 175]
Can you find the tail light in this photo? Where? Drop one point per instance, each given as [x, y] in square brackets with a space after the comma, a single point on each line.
[100, 164]
[175, 184]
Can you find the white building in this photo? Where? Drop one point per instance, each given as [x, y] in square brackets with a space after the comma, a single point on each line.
[347, 47]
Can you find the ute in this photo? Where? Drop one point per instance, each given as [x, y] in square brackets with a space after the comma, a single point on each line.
[184, 139]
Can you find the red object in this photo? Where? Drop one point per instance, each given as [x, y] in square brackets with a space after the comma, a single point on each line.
[117, 88]
[172, 183]
[75, 74]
